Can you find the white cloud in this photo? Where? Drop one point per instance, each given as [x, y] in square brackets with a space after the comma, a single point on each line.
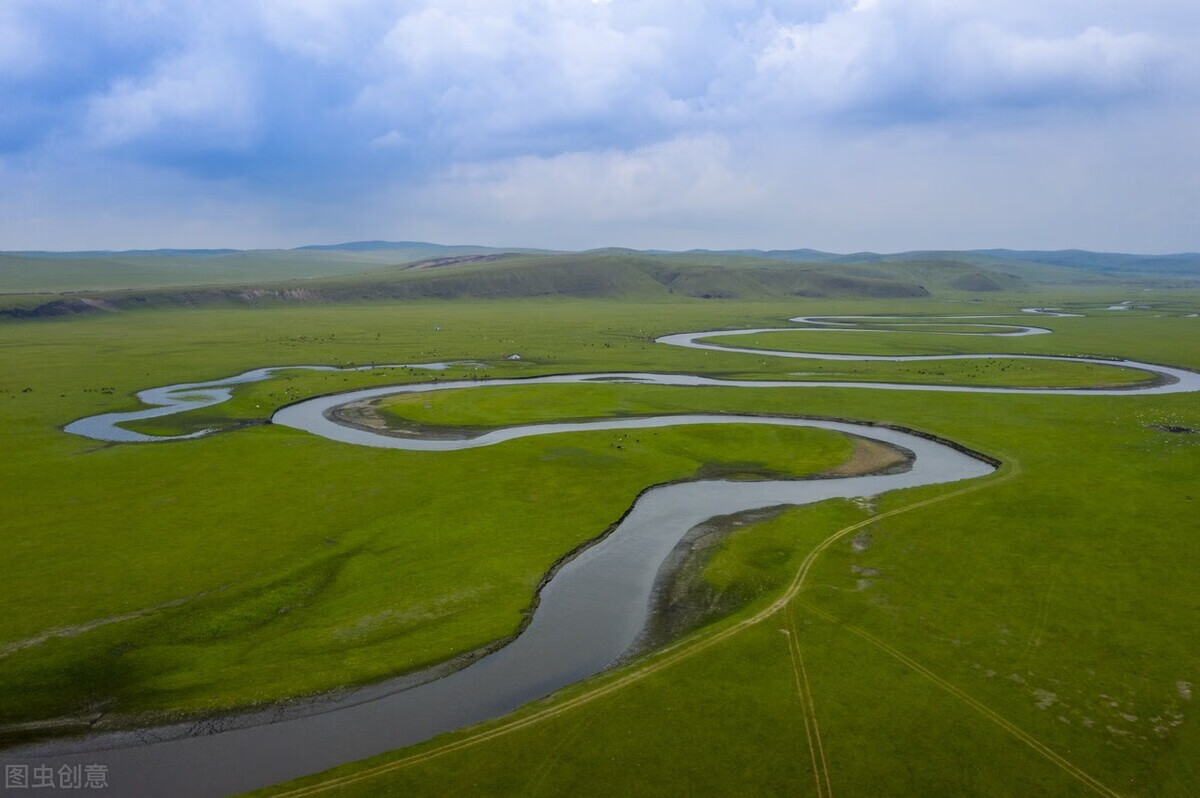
[911, 60]
[393, 138]
[494, 80]
[686, 177]
[205, 100]
[21, 49]
[1096, 62]
[326, 30]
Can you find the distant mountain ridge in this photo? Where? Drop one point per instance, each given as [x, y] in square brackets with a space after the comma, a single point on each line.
[1173, 263]
[1176, 263]
[365, 246]
[1106, 262]
[108, 253]
[1072, 258]
[417, 247]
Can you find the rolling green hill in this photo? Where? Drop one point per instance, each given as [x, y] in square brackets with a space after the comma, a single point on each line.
[56, 284]
[499, 276]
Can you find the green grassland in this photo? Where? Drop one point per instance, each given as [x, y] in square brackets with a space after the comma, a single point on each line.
[139, 521]
[262, 563]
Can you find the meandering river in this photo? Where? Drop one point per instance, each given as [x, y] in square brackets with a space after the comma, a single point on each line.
[590, 612]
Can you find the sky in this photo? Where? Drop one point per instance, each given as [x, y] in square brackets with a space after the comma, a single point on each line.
[841, 125]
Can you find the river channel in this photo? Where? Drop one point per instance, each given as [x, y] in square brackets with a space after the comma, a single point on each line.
[590, 612]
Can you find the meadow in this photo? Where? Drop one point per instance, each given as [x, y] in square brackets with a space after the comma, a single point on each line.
[1034, 635]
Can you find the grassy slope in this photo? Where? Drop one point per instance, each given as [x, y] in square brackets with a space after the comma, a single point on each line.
[1044, 578]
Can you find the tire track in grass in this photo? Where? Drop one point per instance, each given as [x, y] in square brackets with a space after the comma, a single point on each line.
[543, 770]
[1043, 612]
[1016, 731]
[665, 658]
[808, 709]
